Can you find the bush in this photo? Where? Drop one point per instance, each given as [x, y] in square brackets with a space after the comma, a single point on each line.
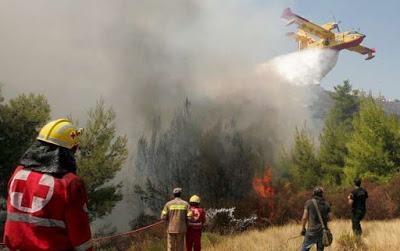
[350, 242]
[223, 221]
[380, 205]
[339, 203]
[288, 203]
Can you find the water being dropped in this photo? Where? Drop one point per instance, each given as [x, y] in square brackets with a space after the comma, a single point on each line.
[306, 67]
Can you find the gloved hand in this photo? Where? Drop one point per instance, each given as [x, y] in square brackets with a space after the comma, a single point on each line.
[303, 232]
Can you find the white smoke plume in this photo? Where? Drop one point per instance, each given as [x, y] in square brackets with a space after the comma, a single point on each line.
[306, 67]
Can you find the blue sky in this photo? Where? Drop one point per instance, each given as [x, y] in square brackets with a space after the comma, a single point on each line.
[380, 21]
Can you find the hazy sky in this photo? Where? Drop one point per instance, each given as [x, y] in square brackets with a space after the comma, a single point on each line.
[85, 49]
[380, 21]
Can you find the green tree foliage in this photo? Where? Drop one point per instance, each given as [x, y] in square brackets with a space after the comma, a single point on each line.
[20, 119]
[374, 147]
[337, 131]
[102, 154]
[302, 162]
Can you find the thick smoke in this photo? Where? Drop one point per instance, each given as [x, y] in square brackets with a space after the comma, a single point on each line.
[145, 57]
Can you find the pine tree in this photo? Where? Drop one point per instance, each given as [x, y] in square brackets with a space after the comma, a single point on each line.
[337, 131]
[102, 154]
[20, 119]
[304, 166]
[374, 147]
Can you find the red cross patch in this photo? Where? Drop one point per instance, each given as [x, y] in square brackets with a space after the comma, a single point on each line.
[31, 191]
[196, 214]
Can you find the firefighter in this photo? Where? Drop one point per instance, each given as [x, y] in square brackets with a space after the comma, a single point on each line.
[176, 213]
[47, 201]
[195, 226]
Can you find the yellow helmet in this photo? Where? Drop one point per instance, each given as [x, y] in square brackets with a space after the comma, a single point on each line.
[60, 132]
[195, 199]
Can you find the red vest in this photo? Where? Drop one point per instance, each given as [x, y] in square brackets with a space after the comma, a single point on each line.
[198, 218]
[46, 212]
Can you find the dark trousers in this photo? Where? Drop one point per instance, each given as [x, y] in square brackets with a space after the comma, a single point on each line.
[310, 240]
[193, 240]
[356, 217]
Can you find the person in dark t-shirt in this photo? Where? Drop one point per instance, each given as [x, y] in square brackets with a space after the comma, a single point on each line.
[357, 200]
[313, 233]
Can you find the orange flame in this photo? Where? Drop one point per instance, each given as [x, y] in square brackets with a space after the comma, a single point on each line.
[263, 186]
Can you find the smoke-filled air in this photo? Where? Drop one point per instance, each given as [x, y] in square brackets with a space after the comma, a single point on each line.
[202, 89]
[153, 124]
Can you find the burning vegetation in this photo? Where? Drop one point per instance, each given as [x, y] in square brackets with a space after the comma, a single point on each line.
[263, 186]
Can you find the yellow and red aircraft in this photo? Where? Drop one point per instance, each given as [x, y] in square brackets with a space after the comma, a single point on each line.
[311, 35]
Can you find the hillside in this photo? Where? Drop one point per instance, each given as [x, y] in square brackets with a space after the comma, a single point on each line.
[379, 235]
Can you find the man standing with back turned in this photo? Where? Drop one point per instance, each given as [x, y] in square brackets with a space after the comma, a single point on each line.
[177, 213]
[314, 233]
[357, 200]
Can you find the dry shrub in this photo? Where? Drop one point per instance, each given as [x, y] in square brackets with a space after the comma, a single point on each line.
[380, 205]
[383, 201]
[288, 203]
[338, 200]
[349, 242]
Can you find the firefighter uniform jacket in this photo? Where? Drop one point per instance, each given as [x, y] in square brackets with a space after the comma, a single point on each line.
[46, 212]
[177, 212]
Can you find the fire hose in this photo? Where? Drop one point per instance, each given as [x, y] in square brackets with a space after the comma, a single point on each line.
[133, 232]
[292, 238]
[105, 238]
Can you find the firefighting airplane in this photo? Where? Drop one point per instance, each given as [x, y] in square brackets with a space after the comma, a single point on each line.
[350, 40]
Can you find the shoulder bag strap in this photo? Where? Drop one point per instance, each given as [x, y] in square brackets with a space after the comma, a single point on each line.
[319, 213]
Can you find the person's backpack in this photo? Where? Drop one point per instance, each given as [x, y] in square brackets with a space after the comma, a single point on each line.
[327, 236]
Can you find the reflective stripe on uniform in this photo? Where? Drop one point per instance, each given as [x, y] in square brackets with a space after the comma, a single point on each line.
[178, 207]
[27, 218]
[85, 246]
[195, 224]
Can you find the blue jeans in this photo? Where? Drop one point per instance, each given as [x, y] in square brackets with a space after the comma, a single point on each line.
[310, 240]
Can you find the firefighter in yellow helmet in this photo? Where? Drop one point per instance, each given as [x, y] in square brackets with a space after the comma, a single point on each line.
[195, 225]
[47, 201]
[176, 213]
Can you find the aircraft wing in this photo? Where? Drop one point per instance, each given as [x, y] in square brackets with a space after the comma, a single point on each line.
[363, 50]
[306, 25]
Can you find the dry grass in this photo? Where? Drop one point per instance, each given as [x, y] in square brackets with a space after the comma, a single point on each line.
[378, 235]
